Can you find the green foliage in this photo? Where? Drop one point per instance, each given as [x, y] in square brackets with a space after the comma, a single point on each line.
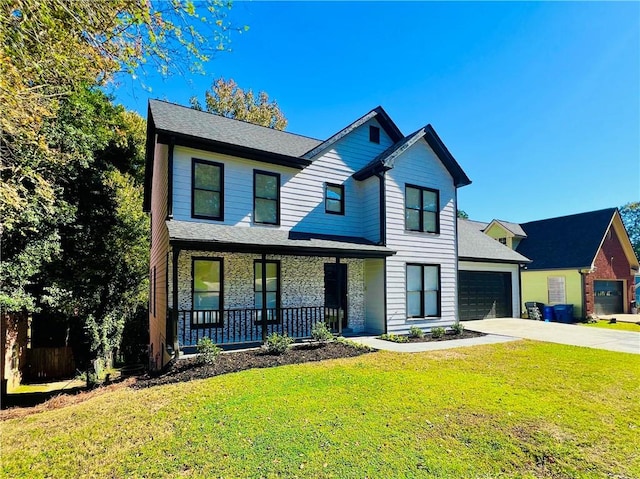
[208, 352]
[462, 214]
[277, 343]
[396, 338]
[457, 328]
[416, 332]
[353, 344]
[437, 332]
[630, 214]
[227, 99]
[321, 333]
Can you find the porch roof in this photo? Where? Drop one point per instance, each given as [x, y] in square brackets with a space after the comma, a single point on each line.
[254, 239]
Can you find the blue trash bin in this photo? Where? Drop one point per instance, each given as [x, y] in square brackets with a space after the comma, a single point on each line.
[547, 313]
[563, 313]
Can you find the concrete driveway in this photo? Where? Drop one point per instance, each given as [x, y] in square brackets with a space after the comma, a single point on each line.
[572, 334]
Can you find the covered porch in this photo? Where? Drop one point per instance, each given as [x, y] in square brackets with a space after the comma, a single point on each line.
[238, 291]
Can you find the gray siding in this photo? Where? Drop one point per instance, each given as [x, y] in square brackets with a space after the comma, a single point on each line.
[420, 166]
[302, 192]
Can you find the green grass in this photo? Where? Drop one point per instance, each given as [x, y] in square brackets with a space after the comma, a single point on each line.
[620, 326]
[520, 409]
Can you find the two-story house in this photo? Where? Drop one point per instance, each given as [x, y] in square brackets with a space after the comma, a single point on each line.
[256, 230]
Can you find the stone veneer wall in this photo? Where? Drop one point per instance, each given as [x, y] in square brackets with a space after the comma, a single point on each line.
[302, 282]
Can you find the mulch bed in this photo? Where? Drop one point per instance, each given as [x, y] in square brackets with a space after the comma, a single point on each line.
[448, 336]
[189, 369]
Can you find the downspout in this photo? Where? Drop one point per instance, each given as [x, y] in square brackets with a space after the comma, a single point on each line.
[520, 303]
[172, 330]
[455, 230]
[172, 142]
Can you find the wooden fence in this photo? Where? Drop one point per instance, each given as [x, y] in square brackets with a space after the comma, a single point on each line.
[49, 363]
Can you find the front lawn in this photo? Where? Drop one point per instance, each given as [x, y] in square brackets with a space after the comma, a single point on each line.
[620, 326]
[518, 409]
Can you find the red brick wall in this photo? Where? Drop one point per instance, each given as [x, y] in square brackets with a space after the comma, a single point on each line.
[611, 263]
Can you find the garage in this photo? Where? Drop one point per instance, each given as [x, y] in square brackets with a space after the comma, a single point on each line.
[609, 296]
[484, 294]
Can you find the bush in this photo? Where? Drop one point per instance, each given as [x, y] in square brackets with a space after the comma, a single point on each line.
[415, 332]
[277, 343]
[457, 328]
[394, 337]
[353, 344]
[208, 352]
[321, 333]
[437, 332]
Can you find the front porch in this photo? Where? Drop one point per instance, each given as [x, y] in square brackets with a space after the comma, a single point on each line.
[232, 327]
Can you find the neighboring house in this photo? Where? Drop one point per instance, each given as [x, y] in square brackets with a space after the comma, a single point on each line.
[585, 260]
[256, 230]
[488, 275]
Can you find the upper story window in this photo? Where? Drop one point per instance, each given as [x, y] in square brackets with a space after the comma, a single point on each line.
[266, 197]
[334, 199]
[207, 195]
[207, 291]
[374, 134]
[503, 240]
[421, 209]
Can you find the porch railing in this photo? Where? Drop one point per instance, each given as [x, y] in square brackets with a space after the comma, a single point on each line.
[237, 326]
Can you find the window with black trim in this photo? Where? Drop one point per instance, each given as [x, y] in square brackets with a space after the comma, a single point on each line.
[421, 209]
[266, 197]
[334, 199]
[207, 291]
[207, 195]
[266, 288]
[423, 290]
[374, 134]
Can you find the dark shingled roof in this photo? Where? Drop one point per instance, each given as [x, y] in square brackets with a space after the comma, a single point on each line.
[385, 160]
[474, 245]
[567, 242]
[172, 118]
[270, 240]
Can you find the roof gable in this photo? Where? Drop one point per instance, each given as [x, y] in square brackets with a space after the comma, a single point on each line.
[513, 229]
[386, 159]
[567, 242]
[474, 245]
[378, 113]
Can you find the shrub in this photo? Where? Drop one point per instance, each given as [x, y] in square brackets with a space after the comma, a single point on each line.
[321, 333]
[207, 350]
[353, 344]
[457, 328]
[437, 332]
[415, 332]
[277, 343]
[394, 337]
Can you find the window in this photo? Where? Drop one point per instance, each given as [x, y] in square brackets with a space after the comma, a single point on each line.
[374, 134]
[334, 199]
[207, 198]
[207, 291]
[421, 209]
[423, 290]
[266, 197]
[266, 288]
[503, 240]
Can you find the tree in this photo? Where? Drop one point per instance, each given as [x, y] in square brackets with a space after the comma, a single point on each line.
[630, 214]
[227, 99]
[49, 52]
[463, 214]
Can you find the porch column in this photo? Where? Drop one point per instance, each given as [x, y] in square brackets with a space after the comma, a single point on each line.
[339, 288]
[263, 293]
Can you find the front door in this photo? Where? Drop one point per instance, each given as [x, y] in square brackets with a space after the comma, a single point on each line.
[335, 295]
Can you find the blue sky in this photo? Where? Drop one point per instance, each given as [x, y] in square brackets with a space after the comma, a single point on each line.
[538, 102]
